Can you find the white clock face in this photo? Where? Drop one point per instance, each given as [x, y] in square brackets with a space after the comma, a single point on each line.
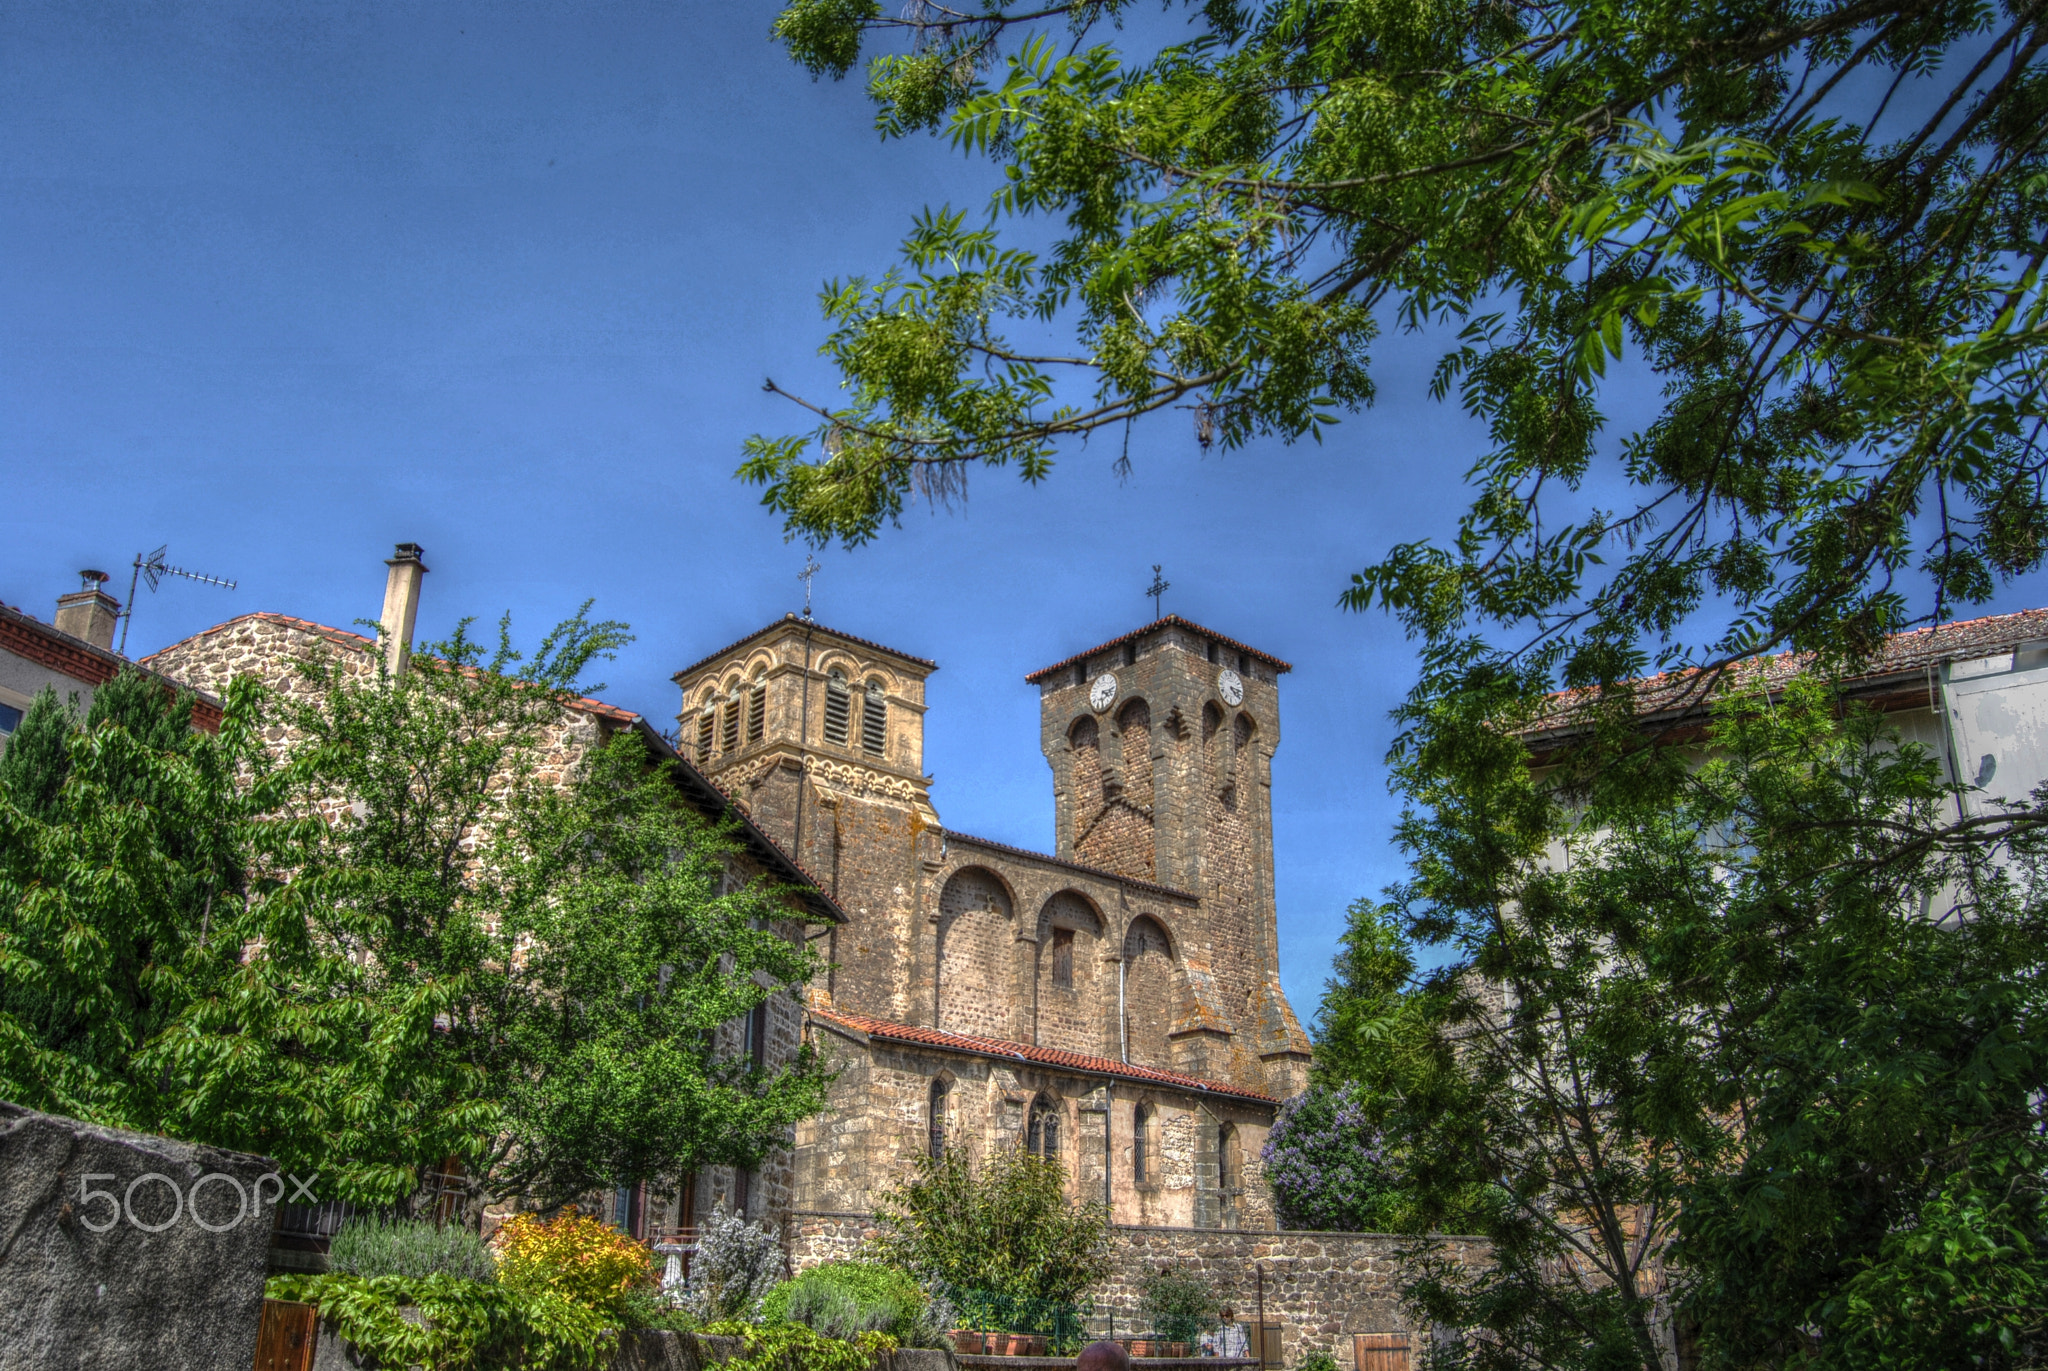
[1102, 692]
[1230, 687]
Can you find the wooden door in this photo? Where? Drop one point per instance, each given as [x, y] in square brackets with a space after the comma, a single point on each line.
[1379, 1351]
[284, 1340]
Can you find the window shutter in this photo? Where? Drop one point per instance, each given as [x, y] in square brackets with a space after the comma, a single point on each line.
[837, 704]
[757, 712]
[874, 721]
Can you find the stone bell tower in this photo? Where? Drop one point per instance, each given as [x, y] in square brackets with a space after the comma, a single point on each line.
[819, 735]
[1161, 745]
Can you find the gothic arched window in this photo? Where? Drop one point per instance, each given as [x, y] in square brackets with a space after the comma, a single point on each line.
[935, 1140]
[1042, 1132]
[1229, 1173]
[1141, 1143]
[874, 720]
[838, 703]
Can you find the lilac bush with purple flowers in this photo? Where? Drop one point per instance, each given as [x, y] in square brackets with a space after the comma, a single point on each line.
[1328, 1166]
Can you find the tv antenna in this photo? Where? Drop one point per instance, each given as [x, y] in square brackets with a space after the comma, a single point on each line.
[153, 568]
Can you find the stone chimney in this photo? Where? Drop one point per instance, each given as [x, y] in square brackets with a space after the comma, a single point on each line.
[401, 606]
[90, 613]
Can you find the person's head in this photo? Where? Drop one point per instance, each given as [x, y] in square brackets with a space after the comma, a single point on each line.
[1229, 1314]
[1103, 1356]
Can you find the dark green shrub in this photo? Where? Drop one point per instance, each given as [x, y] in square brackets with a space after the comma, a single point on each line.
[1004, 1227]
[1180, 1305]
[375, 1246]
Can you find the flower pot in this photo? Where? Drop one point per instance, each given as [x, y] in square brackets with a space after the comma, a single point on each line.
[966, 1342]
[1142, 1347]
[1176, 1349]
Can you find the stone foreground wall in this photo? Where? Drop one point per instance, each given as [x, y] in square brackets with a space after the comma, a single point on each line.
[125, 1252]
[1319, 1287]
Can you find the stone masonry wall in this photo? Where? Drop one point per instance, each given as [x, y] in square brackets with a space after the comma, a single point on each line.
[1319, 1287]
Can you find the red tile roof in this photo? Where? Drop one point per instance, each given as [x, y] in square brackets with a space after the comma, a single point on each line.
[1038, 1056]
[26, 636]
[1914, 650]
[1170, 621]
[784, 622]
[356, 642]
[765, 845]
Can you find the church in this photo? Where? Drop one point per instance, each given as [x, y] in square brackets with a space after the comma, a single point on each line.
[1114, 1003]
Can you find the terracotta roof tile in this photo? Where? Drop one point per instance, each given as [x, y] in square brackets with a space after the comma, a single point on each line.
[1173, 621]
[29, 637]
[765, 845]
[1041, 1056]
[789, 619]
[356, 642]
[1914, 650]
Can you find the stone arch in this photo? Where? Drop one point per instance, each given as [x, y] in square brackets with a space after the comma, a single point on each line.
[941, 1114]
[1219, 1171]
[1145, 1167]
[1148, 991]
[1212, 720]
[1243, 729]
[975, 923]
[1043, 1120]
[1068, 976]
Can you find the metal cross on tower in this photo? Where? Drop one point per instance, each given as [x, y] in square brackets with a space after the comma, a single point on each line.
[811, 569]
[1158, 588]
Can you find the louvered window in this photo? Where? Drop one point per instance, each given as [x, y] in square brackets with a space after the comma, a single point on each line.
[707, 725]
[757, 712]
[729, 736]
[838, 703]
[874, 720]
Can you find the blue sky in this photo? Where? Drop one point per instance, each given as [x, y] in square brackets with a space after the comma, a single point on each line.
[285, 284]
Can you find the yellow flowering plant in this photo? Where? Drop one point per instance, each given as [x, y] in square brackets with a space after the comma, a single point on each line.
[571, 1255]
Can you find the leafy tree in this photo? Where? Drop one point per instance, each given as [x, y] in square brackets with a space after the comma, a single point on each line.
[543, 967]
[127, 893]
[33, 766]
[1815, 230]
[1762, 1039]
[419, 936]
[1004, 1228]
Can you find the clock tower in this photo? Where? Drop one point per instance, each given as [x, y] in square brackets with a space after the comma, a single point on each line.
[1161, 744]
